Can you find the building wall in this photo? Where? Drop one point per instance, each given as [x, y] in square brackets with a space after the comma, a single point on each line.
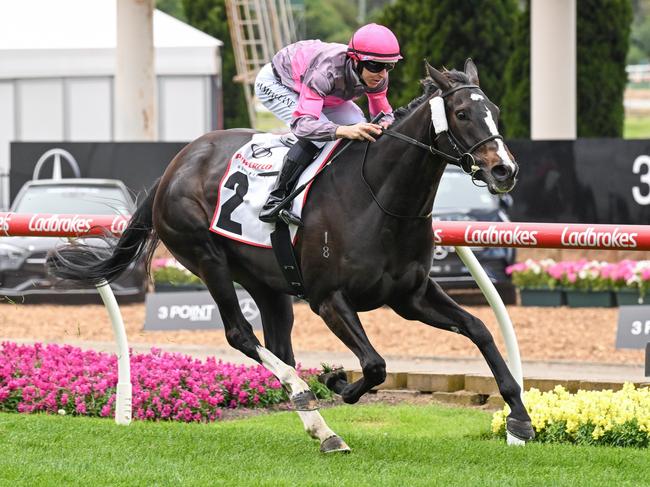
[80, 109]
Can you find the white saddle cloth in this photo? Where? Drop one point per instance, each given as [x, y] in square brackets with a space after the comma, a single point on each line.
[246, 185]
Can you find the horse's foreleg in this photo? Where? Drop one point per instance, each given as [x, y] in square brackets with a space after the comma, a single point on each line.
[239, 334]
[344, 322]
[434, 307]
[304, 401]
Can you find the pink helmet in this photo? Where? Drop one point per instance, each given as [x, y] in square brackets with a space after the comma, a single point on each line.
[374, 42]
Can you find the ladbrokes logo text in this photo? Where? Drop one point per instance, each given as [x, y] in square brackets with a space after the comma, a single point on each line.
[118, 225]
[494, 236]
[592, 238]
[55, 223]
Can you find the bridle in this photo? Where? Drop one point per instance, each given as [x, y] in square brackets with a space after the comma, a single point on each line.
[465, 160]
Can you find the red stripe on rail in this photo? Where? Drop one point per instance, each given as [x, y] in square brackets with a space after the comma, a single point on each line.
[59, 225]
[542, 235]
[456, 233]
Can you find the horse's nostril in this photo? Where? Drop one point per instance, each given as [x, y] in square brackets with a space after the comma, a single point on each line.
[501, 172]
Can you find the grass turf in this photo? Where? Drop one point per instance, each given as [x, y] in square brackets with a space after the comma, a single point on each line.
[391, 445]
[636, 127]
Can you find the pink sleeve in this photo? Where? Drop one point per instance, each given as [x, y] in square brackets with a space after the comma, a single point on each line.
[305, 118]
[309, 103]
[377, 102]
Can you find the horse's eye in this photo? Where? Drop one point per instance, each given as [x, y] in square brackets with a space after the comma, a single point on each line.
[461, 115]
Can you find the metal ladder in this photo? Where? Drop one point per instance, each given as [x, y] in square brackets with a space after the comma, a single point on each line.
[258, 29]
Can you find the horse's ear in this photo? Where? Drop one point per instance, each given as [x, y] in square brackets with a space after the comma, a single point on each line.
[471, 71]
[440, 79]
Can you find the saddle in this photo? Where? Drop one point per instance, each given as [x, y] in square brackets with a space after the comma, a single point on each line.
[246, 184]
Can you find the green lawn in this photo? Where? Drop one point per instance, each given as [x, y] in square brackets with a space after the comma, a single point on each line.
[391, 446]
[636, 127]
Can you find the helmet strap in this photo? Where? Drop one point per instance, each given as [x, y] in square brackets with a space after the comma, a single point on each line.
[358, 67]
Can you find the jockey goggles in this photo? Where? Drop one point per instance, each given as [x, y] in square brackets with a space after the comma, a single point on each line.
[377, 66]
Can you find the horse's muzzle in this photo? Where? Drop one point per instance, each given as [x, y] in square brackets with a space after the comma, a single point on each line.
[502, 178]
[503, 172]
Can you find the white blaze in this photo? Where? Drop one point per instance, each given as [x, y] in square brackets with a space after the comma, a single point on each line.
[501, 149]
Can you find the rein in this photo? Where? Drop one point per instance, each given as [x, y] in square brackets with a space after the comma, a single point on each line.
[465, 161]
[374, 197]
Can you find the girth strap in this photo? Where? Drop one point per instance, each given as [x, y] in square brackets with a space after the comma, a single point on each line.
[281, 242]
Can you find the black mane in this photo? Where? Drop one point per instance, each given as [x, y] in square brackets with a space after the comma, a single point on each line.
[456, 77]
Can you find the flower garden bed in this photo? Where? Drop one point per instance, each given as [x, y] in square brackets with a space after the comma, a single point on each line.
[68, 380]
[620, 418]
[170, 276]
[581, 283]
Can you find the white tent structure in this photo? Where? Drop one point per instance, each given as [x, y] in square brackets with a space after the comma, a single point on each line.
[57, 67]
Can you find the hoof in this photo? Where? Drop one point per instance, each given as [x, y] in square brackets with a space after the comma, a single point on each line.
[334, 444]
[350, 394]
[521, 430]
[305, 401]
[335, 380]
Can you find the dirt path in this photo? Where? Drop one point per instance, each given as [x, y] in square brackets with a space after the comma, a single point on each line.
[543, 333]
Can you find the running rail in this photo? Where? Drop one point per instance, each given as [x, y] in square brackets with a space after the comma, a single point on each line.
[453, 233]
[463, 234]
[49, 225]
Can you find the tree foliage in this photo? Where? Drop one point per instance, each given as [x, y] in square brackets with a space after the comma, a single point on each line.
[446, 32]
[330, 21]
[603, 38]
[210, 17]
[173, 8]
[515, 105]
[639, 51]
[602, 33]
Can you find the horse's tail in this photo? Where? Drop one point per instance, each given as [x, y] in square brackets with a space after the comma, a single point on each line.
[91, 264]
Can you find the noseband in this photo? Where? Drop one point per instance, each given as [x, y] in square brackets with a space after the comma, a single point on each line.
[465, 159]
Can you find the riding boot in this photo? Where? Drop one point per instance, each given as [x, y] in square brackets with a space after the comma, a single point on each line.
[296, 160]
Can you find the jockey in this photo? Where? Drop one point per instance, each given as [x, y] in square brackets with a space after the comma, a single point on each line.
[310, 86]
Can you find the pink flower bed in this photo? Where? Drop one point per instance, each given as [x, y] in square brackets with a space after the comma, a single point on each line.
[582, 275]
[50, 378]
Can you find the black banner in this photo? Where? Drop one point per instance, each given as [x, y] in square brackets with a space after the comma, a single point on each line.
[581, 181]
[137, 164]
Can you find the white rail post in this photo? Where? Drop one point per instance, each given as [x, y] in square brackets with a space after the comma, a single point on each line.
[123, 394]
[505, 324]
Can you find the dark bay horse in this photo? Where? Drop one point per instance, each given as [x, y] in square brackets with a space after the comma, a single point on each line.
[366, 242]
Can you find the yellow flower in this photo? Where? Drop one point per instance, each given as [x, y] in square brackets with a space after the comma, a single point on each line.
[604, 410]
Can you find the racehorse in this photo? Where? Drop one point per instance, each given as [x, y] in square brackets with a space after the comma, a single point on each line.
[366, 241]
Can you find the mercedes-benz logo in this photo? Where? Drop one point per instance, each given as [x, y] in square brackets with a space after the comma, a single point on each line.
[249, 308]
[440, 252]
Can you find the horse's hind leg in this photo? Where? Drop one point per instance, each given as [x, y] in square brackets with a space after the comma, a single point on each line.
[432, 306]
[345, 324]
[239, 333]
